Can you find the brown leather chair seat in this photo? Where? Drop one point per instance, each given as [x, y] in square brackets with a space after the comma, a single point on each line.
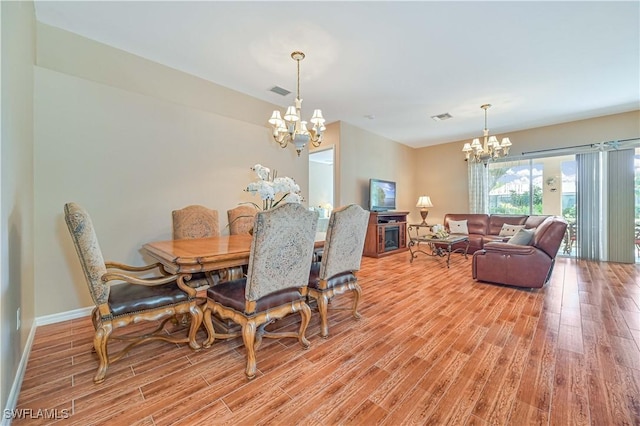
[231, 294]
[334, 281]
[129, 298]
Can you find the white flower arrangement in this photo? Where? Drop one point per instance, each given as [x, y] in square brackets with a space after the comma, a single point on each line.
[272, 189]
[439, 231]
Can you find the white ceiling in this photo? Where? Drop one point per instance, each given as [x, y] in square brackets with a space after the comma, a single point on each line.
[537, 63]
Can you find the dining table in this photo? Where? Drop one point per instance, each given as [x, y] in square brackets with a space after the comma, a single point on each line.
[190, 256]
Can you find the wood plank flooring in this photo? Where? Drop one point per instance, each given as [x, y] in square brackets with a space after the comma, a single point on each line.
[433, 347]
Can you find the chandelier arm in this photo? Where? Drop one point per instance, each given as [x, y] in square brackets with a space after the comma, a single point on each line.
[283, 140]
[316, 140]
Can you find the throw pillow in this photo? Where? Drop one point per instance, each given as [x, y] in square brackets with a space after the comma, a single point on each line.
[523, 237]
[458, 227]
[509, 230]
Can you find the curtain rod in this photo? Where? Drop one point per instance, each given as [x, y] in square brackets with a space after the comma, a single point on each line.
[614, 144]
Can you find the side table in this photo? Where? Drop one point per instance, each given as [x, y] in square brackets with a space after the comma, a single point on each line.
[436, 246]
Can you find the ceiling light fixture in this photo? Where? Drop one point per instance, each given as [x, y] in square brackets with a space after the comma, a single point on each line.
[292, 129]
[490, 150]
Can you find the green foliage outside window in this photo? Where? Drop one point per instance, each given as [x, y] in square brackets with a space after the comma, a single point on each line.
[516, 203]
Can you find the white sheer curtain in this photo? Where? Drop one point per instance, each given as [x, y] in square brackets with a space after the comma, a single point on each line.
[588, 203]
[478, 187]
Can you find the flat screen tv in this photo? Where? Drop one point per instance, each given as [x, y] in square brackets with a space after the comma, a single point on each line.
[382, 195]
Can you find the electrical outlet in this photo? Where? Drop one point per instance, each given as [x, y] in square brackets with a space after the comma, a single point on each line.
[18, 319]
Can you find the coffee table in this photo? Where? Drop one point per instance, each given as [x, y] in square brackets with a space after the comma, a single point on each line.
[437, 246]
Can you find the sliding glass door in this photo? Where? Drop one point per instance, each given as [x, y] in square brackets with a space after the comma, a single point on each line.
[590, 190]
[534, 186]
[541, 186]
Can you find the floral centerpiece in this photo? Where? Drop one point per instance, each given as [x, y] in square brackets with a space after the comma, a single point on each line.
[272, 189]
[439, 231]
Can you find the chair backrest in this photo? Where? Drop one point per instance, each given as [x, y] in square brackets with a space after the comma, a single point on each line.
[281, 250]
[241, 219]
[195, 222]
[86, 244]
[344, 241]
[549, 235]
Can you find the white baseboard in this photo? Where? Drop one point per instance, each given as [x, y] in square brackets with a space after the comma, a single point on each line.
[17, 382]
[22, 366]
[63, 316]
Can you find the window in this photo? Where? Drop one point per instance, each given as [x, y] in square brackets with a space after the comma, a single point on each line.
[516, 187]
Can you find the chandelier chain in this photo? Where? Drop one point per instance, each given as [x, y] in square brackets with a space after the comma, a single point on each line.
[298, 88]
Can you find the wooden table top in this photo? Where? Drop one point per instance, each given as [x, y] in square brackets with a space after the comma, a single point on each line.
[206, 254]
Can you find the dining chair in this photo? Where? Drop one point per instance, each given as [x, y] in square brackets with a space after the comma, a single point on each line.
[195, 221]
[122, 296]
[276, 281]
[336, 272]
[241, 219]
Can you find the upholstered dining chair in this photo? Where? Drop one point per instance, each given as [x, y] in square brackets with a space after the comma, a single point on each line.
[195, 221]
[336, 272]
[122, 297]
[241, 219]
[276, 281]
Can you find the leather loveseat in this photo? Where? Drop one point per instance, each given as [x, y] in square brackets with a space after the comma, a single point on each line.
[484, 228]
[521, 265]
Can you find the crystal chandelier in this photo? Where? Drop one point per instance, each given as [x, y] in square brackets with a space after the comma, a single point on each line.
[490, 150]
[292, 129]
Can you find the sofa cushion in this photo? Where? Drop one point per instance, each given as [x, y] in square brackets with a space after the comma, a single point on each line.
[458, 227]
[493, 238]
[549, 235]
[523, 237]
[509, 230]
[476, 223]
[496, 221]
[534, 221]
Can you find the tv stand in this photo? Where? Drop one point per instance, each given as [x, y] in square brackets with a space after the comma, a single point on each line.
[386, 234]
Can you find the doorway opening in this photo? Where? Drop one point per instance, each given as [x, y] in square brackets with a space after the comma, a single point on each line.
[321, 184]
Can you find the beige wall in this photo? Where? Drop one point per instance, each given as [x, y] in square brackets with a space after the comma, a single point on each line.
[364, 155]
[552, 200]
[16, 205]
[131, 150]
[441, 171]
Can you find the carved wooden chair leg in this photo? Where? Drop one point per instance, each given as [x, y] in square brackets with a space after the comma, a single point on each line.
[249, 338]
[208, 325]
[323, 310]
[196, 321]
[357, 292]
[305, 315]
[100, 344]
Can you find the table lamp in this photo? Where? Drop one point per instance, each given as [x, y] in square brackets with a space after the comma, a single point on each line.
[423, 202]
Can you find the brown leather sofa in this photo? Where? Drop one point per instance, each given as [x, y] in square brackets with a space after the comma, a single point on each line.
[521, 265]
[484, 228]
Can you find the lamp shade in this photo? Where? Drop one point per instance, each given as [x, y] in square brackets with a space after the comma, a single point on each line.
[291, 114]
[424, 201]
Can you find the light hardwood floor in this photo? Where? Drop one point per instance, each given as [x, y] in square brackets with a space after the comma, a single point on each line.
[433, 347]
